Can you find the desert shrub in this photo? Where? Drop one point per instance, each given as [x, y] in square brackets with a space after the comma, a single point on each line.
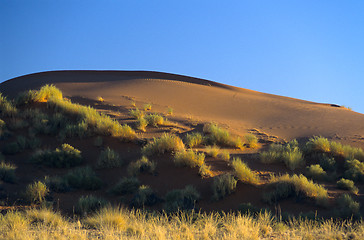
[212, 151]
[223, 185]
[109, 159]
[141, 124]
[205, 171]
[125, 186]
[147, 107]
[89, 204]
[224, 155]
[145, 196]
[347, 185]
[166, 143]
[45, 217]
[22, 142]
[33, 143]
[355, 170]
[194, 139]
[189, 158]
[286, 186]
[289, 153]
[57, 184]
[327, 163]
[315, 171]
[64, 157]
[244, 173]
[248, 208]
[217, 135]
[170, 111]
[11, 148]
[7, 109]
[45, 93]
[83, 178]
[107, 219]
[154, 119]
[7, 172]
[36, 192]
[182, 199]
[348, 207]
[251, 140]
[80, 129]
[318, 144]
[136, 113]
[140, 166]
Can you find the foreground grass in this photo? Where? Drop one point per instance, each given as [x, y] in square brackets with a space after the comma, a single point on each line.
[115, 223]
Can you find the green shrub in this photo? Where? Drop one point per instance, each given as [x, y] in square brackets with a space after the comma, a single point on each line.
[181, 199]
[83, 178]
[136, 113]
[223, 185]
[212, 151]
[36, 192]
[142, 124]
[166, 143]
[355, 170]
[205, 171]
[316, 172]
[189, 158]
[145, 196]
[347, 185]
[244, 173]
[348, 207]
[327, 163]
[57, 184]
[44, 94]
[7, 172]
[89, 204]
[147, 107]
[318, 144]
[46, 217]
[286, 186]
[217, 135]
[224, 155]
[194, 139]
[125, 186]
[7, 109]
[154, 119]
[109, 159]
[251, 140]
[248, 208]
[112, 220]
[64, 157]
[22, 142]
[11, 148]
[170, 111]
[140, 166]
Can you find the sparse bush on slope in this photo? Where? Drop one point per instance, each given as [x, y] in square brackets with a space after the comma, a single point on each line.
[140, 166]
[218, 136]
[36, 192]
[347, 207]
[223, 185]
[347, 185]
[251, 140]
[244, 173]
[189, 158]
[83, 178]
[182, 199]
[7, 109]
[125, 186]
[354, 170]
[144, 196]
[194, 139]
[109, 158]
[166, 143]
[89, 204]
[7, 172]
[315, 171]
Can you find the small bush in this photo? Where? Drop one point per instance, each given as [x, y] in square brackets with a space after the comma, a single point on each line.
[189, 158]
[109, 159]
[205, 171]
[194, 139]
[147, 107]
[347, 185]
[223, 185]
[83, 178]
[140, 166]
[355, 170]
[166, 143]
[217, 135]
[145, 196]
[46, 92]
[248, 208]
[212, 151]
[318, 144]
[89, 204]
[316, 172]
[136, 113]
[142, 124]
[125, 186]
[7, 172]
[36, 192]
[154, 119]
[348, 207]
[327, 163]
[46, 217]
[251, 140]
[7, 109]
[244, 173]
[170, 111]
[57, 184]
[224, 155]
[64, 157]
[182, 199]
[107, 219]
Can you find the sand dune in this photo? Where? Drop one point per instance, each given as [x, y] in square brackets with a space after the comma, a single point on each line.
[237, 108]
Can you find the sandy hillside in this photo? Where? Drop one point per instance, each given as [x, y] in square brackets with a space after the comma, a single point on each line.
[239, 109]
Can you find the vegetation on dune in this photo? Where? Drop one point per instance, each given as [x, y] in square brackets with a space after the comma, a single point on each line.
[89, 204]
[7, 172]
[223, 185]
[194, 139]
[166, 143]
[142, 165]
[347, 185]
[109, 158]
[347, 207]
[354, 170]
[212, 151]
[154, 119]
[244, 173]
[189, 158]
[83, 178]
[251, 140]
[215, 135]
[182, 199]
[315, 171]
[7, 109]
[36, 192]
[144, 196]
[126, 185]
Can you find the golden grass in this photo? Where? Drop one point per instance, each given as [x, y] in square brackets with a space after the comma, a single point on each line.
[244, 173]
[189, 158]
[166, 143]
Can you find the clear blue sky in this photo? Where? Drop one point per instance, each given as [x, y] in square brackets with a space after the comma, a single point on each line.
[307, 49]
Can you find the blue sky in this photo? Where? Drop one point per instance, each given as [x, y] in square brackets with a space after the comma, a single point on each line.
[312, 50]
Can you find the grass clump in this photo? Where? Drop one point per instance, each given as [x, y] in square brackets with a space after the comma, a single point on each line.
[42, 95]
[154, 119]
[7, 172]
[224, 155]
[347, 185]
[89, 204]
[315, 171]
[45, 217]
[212, 151]
[136, 113]
[125, 186]
[223, 185]
[348, 207]
[327, 163]
[205, 171]
[355, 170]
[189, 158]
[217, 135]
[147, 107]
[286, 186]
[142, 124]
[182, 199]
[83, 178]
[194, 139]
[244, 173]
[145, 196]
[64, 157]
[109, 158]
[36, 192]
[166, 143]
[107, 219]
[251, 140]
[318, 144]
[140, 166]
[7, 109]
[289, 153]
[57, 184]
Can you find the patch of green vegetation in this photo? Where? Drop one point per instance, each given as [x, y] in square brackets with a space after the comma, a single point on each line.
[11, 148]
[205, 171]
[244, 173]
[136, 113]
[189, 158]
[347, 185]
[354, 170]
[194, 139]
[154, 119]
[142, 165]
[36, 192]
[212, 151]
[251, 140]
[348, 208]
[315, 171]
[109, 158]
[89, 204]
[218, 136]
[182, 199]
[142, 124]
[7, 109]
[42, 95]
[223, 185]
[83, 178]
[57, 184]
[167, 143]
[327, 163]
[64, 157]
[125, 186]
[7, 172]
[145, 196]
